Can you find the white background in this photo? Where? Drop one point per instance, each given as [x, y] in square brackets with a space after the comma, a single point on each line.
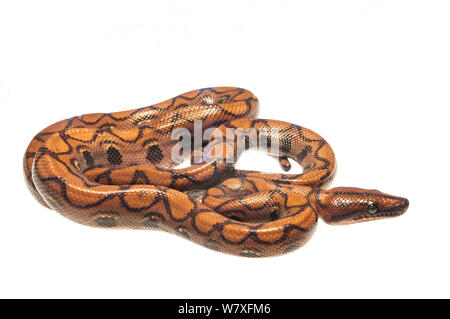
[372, 77]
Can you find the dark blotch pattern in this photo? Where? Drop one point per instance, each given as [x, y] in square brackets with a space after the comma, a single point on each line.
[154, 154]
[114, 156]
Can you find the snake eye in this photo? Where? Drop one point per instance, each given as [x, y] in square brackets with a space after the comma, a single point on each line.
[372, 209]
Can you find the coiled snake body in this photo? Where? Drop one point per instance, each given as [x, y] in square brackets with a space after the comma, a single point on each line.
[116, 170]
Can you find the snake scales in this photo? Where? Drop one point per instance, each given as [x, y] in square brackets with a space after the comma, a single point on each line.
[115, 170]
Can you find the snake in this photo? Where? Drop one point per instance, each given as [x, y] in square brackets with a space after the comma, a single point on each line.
[117, 170]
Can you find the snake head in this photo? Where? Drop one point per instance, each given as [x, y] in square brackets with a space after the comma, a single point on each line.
[347, 205]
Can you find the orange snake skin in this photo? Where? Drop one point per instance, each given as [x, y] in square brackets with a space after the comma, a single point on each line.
[115, 170]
